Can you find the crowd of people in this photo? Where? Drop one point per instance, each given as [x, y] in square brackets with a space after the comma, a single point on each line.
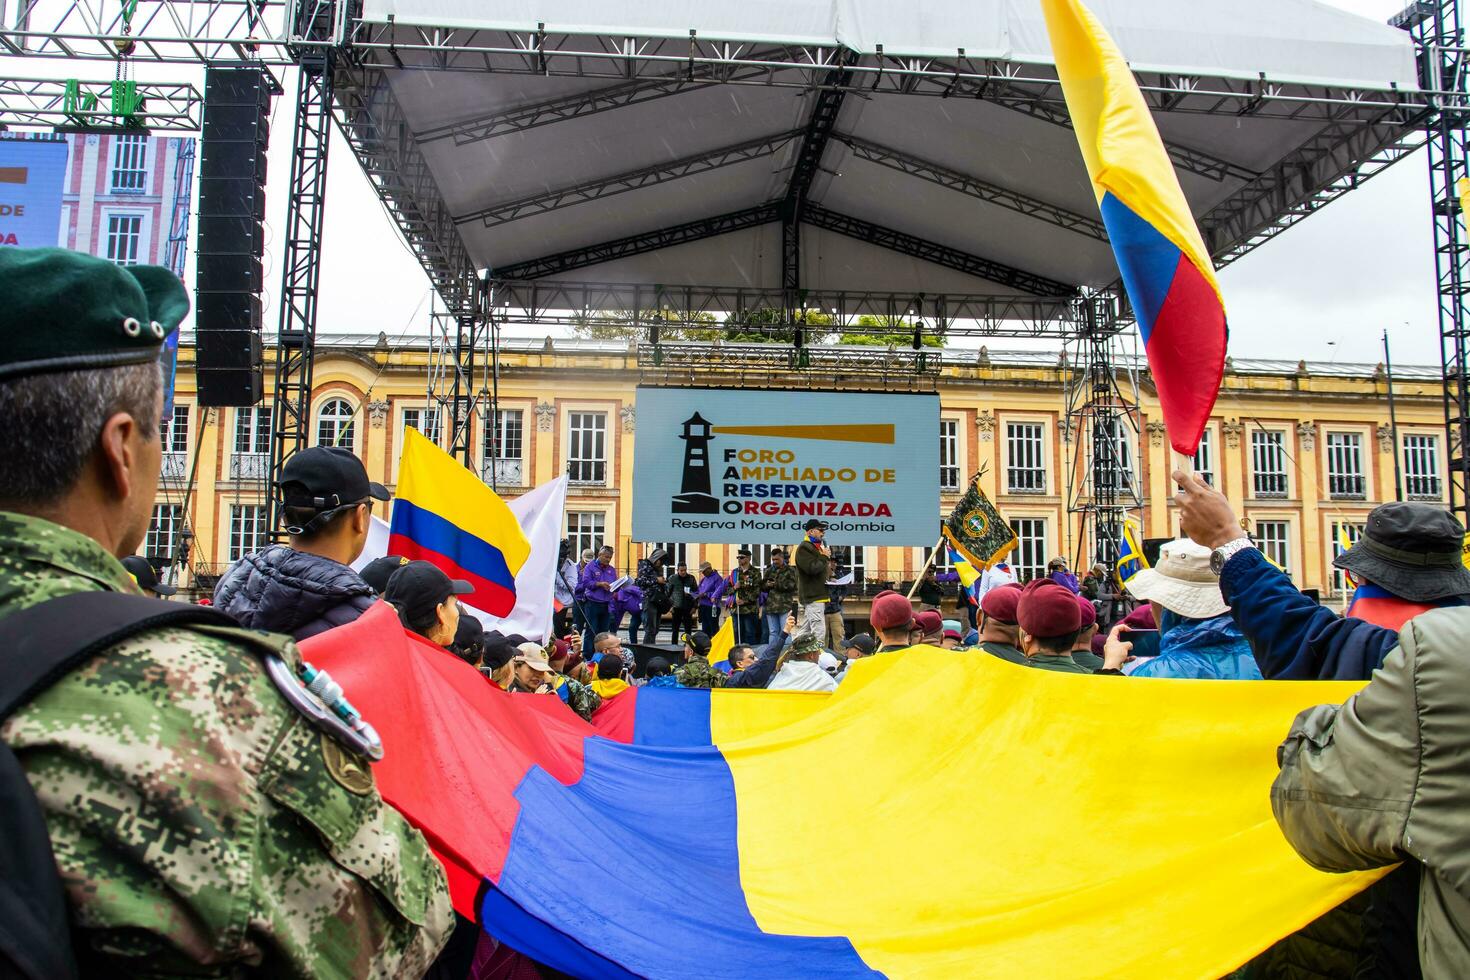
[170, 811]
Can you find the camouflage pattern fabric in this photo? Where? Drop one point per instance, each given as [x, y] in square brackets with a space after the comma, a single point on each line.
[697, 672]
[780, 587]
[747, 589]
[200, 825]
[577, 696]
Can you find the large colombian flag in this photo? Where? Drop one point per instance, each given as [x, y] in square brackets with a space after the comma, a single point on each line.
[444, 514]
[1165, 265]
[938, 816]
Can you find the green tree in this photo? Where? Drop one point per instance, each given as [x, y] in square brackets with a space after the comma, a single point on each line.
[766, 325]
[889, 331]
[620, 325]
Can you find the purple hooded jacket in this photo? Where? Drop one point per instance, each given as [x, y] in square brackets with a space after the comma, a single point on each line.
[711, 587]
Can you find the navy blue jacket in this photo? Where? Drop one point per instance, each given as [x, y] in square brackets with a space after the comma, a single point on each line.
[287, 591]
[759, 674]
[1295, 638]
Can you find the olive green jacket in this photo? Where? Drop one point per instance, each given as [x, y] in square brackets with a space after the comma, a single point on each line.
[1385, 777]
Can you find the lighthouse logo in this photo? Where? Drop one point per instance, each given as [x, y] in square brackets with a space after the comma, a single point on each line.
[694, 496]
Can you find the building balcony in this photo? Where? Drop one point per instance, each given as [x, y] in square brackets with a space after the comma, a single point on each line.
[175, 467]
[503, 472]
[249, 466]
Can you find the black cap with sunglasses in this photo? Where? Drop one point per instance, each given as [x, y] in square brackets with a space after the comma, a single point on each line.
[325, 480]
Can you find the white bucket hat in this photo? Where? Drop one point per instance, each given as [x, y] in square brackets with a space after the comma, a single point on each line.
[1181, 582]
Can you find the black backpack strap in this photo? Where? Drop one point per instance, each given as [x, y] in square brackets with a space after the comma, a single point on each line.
[40, 644]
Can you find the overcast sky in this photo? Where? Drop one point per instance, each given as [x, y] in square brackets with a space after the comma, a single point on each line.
[1324, 290]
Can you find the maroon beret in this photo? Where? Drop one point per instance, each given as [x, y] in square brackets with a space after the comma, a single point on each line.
[1089, 613]
[1047, 609]
[930, 622]
[891, 611]
[1000, 604]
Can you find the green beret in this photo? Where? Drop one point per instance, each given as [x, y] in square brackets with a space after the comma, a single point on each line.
[66, 311]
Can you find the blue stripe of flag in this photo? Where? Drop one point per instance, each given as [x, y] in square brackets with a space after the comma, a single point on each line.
[433, 532]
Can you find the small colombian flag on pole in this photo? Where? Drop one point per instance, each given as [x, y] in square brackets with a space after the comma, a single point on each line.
[444, 514]
[1165, 265]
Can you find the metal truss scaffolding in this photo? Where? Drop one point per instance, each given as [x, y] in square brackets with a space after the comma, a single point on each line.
[301, 272]
[78, 105]
[1101, 432]
[1444, 61]
[346, 62]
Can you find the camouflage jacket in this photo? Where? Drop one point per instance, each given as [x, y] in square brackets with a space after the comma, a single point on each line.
[745, 584]
[577, 696]
[697, 672]
[780, 585]
[201, 826]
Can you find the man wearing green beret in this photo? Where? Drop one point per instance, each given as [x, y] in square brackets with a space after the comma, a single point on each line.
[199, 824]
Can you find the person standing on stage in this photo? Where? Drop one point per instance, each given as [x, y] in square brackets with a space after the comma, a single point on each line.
[813, 562]
[711, 587]
[743, 585]
[780, 587]
[683, 601]
[650, 580]
[596, 599]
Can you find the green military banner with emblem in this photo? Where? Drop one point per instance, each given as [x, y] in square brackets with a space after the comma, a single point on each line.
[977, 531]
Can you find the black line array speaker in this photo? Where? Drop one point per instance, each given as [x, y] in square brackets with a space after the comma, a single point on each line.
[229, 271]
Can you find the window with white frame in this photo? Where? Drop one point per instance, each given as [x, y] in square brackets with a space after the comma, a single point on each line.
[424, 421]
[1112, 455]
[1274, 540]
[335, 425]
[173, 431]
[1204, 457]
[251, 457]
[129, 163]
[852, 558]
[247, 530]
[1345, 466]
[1334, 548]
[1268, 463]
[163, 531]
[504, 448]
[760, 555]
[587, 447]
[676, 553]
[586, 530]
[949, 455]
[124, 238]
[1025, 457]
[1029, 558]
[1421, 467]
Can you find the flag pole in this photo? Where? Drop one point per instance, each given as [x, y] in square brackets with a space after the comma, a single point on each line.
[920, 577]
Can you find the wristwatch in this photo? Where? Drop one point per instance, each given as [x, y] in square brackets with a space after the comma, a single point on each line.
[1227, 551]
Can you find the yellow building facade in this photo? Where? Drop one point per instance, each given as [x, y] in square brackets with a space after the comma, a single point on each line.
[1299, 449]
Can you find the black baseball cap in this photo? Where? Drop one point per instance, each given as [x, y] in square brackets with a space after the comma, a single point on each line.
[418, 587]
[377, 572]
[142, 571]
[863, 642]
[815, 525]
[698, 641]
[324, 478]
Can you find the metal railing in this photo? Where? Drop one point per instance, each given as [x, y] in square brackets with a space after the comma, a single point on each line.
[249, 466]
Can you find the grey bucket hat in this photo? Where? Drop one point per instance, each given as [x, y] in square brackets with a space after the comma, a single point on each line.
[1412, 550]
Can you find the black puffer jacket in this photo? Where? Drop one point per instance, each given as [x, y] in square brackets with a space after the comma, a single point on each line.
[287, 591]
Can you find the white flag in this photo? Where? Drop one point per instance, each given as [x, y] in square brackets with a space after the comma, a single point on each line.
[540, 514]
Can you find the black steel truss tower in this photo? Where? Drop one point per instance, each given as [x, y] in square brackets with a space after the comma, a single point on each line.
[301, 269]
[1443, 62]
[1102, 428]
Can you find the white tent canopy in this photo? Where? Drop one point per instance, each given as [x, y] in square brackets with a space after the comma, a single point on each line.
[558, 132]
[1287, 40]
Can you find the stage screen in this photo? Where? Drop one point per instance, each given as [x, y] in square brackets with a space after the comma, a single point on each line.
[32, 177]
[753, 466]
